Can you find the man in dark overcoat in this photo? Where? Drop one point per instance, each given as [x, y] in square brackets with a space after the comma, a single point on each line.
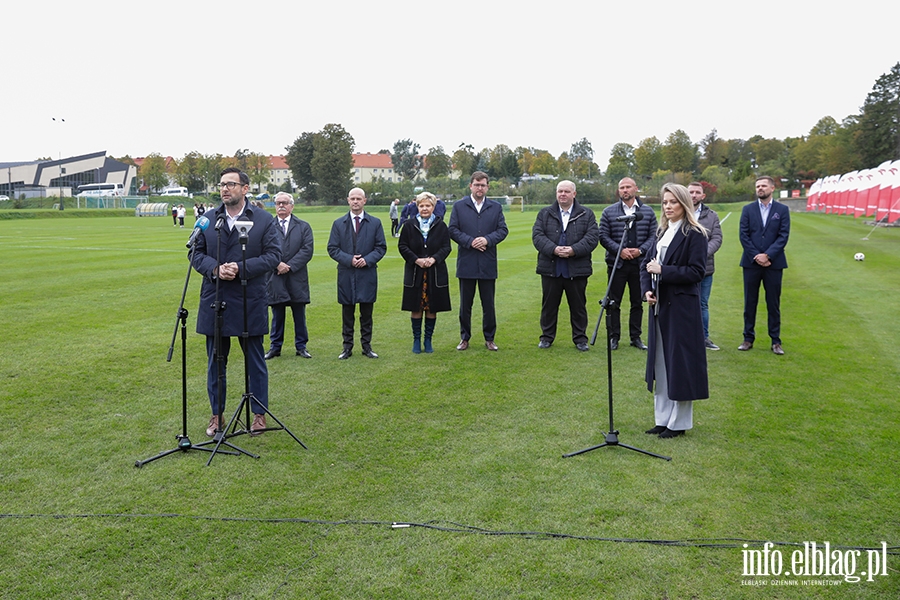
[228, 269]
[357, 243]
[477, 225]
[288, 284]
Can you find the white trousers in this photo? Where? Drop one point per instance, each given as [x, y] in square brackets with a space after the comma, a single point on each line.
[678, 416]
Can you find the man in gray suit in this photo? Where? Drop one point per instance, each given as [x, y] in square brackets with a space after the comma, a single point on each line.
[477, 226]
[357, 244]
[288, 284]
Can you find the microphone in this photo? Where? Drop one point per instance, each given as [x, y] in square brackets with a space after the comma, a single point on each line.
[243, 228]
[200, 226]
[635, 216]
[220, 221]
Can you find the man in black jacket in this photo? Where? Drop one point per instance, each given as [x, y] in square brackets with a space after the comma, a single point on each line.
[641, 233]
[565, 233]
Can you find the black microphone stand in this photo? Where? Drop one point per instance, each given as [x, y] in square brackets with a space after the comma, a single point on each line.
[184, 442]
[248, 398]
[612, 437]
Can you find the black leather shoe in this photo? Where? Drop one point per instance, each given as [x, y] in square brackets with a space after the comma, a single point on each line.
[347, 353]
[670, 433]
[368, 352]
[613, 344]
[304, 353]
[656, 430]
[582, 347]
[272, 354]
[544, 345]
[637, 343]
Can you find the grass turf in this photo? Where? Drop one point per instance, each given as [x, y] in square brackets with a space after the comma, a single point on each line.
[788, 449]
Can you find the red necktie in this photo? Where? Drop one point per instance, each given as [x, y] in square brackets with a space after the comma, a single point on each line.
[357, 223]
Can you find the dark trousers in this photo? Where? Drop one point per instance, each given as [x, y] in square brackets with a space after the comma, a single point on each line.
[256, 369]
[771, 280]
[628, 272]
[486, 289]
[348, 315]
[576, 296]
[301, 335]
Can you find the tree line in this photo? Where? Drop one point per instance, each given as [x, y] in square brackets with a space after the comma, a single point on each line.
[321, 162]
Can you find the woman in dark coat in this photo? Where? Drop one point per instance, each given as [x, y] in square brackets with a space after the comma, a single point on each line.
[425, 245]
[670, 282]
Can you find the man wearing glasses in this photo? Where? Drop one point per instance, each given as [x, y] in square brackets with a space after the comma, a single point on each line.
[263, 253]
[288, 284]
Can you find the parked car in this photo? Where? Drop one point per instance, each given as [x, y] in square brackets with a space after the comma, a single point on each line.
[4, 198]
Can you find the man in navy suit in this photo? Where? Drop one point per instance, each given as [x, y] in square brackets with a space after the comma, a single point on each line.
[357, 244]
[263, 245]
[288, 284]
[765, 227]
[477, 226]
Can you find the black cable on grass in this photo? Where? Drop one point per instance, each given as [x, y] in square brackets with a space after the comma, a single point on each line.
[451, 527]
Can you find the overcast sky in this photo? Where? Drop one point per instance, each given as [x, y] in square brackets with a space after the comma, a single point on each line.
[173, 77]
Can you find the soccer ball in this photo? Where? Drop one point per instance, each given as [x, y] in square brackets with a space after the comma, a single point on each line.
[859, 256]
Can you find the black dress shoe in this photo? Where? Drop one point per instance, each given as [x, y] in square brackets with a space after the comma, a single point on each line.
[637, 343]
[670, 433]
[544, 345]
[347, 353]
[656, 430]
[613, 344]
[582, 347]
[304, 353]
[368, 352]
[272, 354]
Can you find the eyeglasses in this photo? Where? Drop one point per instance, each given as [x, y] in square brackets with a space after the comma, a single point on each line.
[282, 203]
[229, 184]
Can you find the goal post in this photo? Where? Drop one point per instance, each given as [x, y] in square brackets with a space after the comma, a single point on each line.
[510, 202]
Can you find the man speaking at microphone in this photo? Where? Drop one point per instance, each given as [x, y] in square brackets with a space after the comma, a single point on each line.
[639, 222]
[263, 255]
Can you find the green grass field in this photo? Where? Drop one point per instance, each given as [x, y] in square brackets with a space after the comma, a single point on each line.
[465, 446]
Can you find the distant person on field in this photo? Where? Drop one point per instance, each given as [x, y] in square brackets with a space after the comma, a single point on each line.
[181, 213]
[409, 211]
[425, 245]
[357, 244]
[708, 218]
[394, 214]
[765, 228]
[288, 284]
[565, 234]
[477, 225]
[174, 215]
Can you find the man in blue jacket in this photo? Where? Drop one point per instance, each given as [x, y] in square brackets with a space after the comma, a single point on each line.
[263, 254]
[477, 225]
[765, 227]
[357, 244]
